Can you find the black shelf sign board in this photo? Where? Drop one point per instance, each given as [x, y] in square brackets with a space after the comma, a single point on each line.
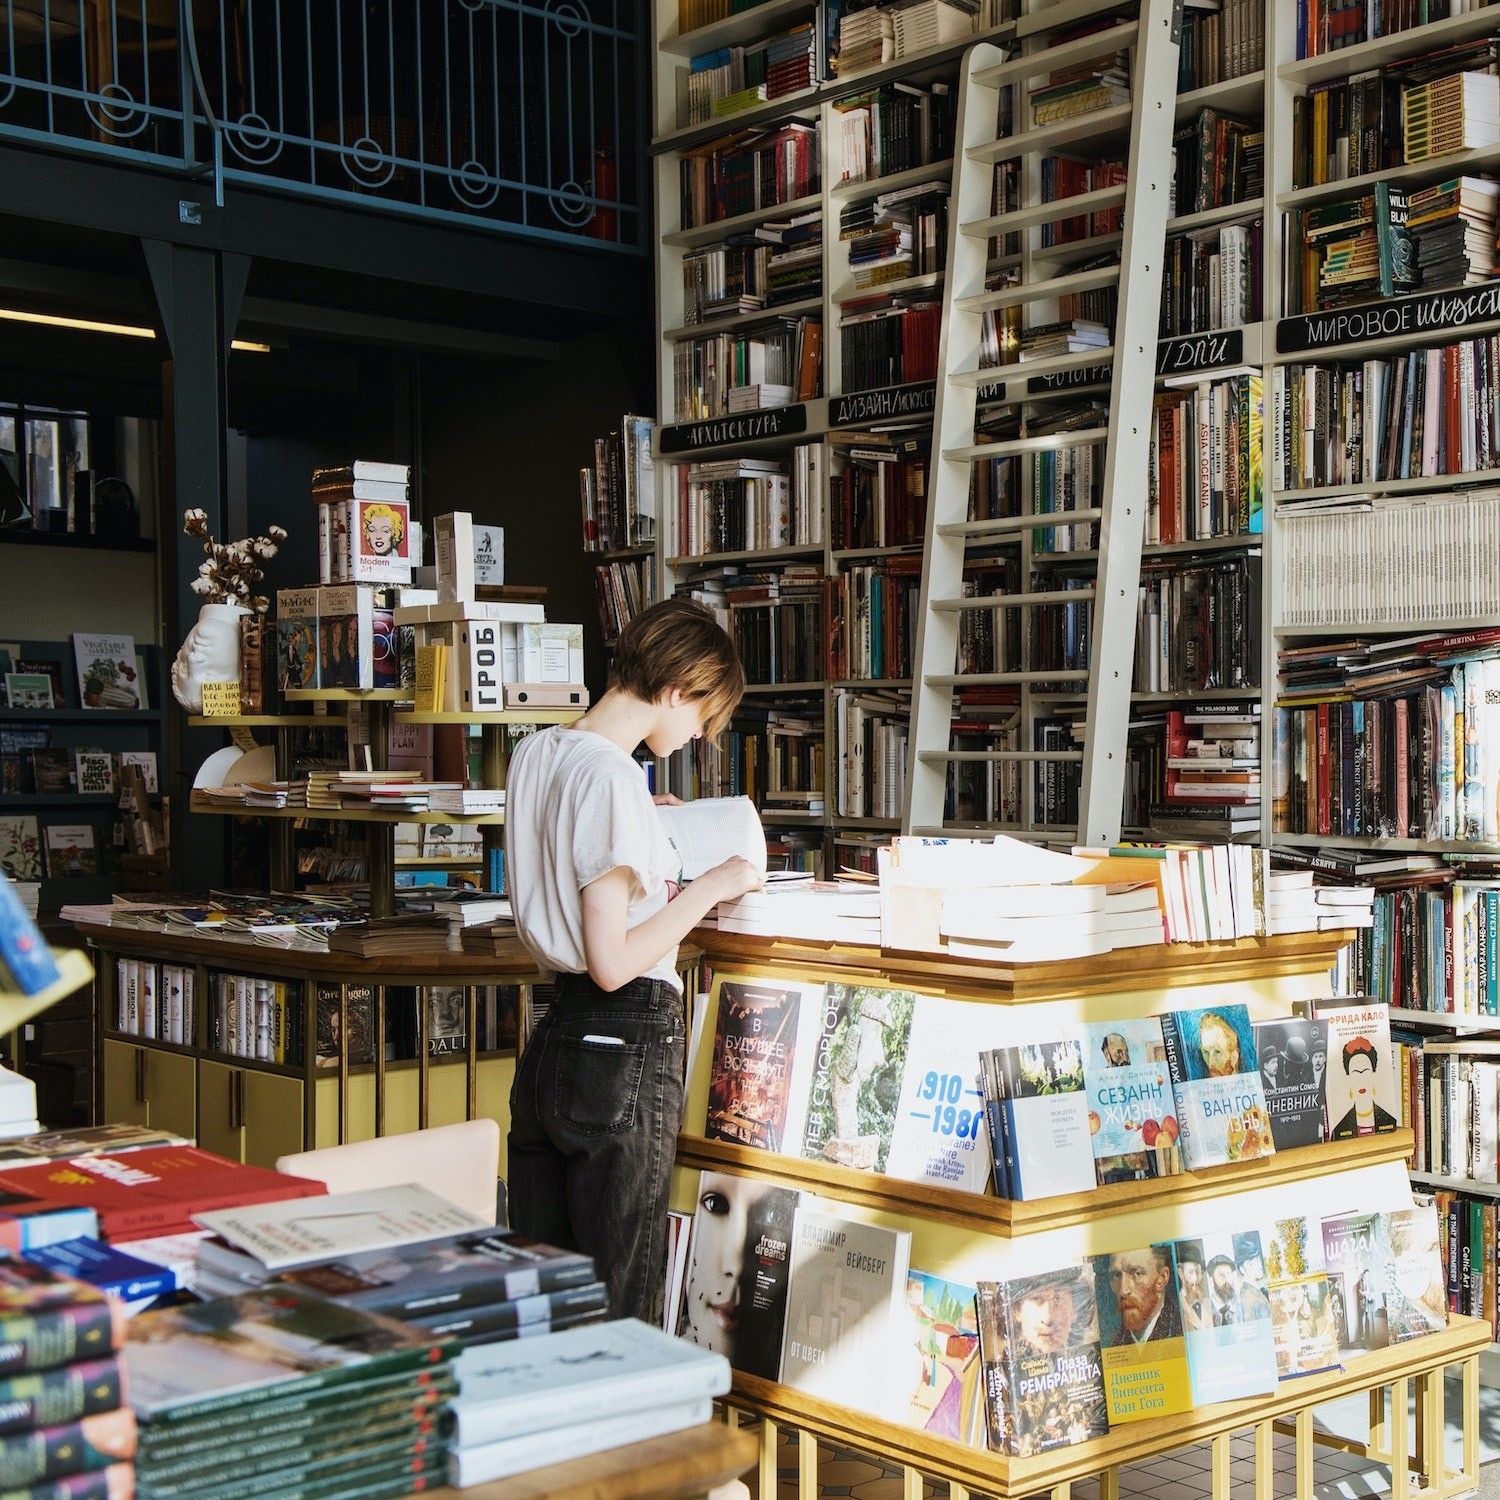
[882, 404]
[1192, 352]
[1428, 312]
[745, 427]
[1067, 380]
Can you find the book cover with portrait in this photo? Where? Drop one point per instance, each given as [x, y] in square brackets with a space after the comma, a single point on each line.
[1417, 1293]
[739, 1264]
[1132, 1116]
[1143, 1351]
[1042, 1365]
[1293, 1057]
[1221, 1103]
[381, 544]
[1362, 1094]
[1226, 1316]
[1357, 1281]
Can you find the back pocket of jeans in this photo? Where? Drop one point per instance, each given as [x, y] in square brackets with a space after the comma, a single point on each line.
[598, 1083]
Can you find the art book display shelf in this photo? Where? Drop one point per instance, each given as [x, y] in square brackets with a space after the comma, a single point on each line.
[965, 1237]
[365, 1053]
[379, 710]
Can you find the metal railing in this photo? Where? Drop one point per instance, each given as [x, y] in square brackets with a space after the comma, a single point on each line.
[518, 115]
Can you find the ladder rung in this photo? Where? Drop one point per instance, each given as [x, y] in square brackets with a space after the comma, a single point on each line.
[1034, 291]
[1101, 122]
[1043, 442]
[1046, 213]
[941, 757]
[1027, 369]
[1096, 44]
[1003, 679]
[1002, 525]
[1018, 601]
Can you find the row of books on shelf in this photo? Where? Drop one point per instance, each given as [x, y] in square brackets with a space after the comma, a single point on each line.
[1216, 160]
[110, 671]
[30, 850]
[762, 269]
[896, 235]
[625, 588]
[1415, 110]
[1207, 461]
[774, 756]
[1427, 412]
[749, 170]
[859, 39]
[729, 80]
[1330, 25]
[1049, 1359]
[617, 493]
[1221, 41]
[1334, 559]
[1450, 1096]
[894, 128]
[1213, 278]
[1392, 737]
[889, 339]
[878, 490]
[750, 504]
[724, 374]
[871, 737]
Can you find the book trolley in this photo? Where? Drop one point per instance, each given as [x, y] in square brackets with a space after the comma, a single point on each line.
[976, 1237]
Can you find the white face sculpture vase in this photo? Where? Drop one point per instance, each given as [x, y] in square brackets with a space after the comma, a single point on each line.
[211, 653]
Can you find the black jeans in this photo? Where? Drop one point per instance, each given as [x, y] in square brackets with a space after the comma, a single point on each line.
[593, 1130]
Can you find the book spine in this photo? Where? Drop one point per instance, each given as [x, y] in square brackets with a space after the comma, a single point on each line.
[57, 1336]
[47, 1397]
[1181, 1085]
[96, 1442]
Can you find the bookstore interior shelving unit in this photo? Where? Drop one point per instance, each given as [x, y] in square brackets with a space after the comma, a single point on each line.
[969, 1237]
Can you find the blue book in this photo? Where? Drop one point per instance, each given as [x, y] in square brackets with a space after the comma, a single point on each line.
[1226, 1316]
[26, 962]
[1221, 1101]
[112, 1271]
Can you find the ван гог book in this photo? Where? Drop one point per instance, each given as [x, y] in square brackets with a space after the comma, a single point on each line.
[1043, 1373]
[1216, 1081]
[763, 1033]
[1302, 1303]
[848, 1286]
[1132, 1114]
[604, 1370]
[1039, 1118]
[1293, 1056]
[1140, 1332]
[1226, 1316]
[738, 1270]
[859, 1063]
[943, 1326]
[1362, 1092]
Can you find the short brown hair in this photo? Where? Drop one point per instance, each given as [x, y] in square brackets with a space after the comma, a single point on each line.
[677, 643]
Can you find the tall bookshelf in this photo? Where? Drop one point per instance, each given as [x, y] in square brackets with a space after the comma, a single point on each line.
[848, 417]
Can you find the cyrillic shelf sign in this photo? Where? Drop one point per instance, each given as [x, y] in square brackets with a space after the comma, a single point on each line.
[1427, 313]
[883, 404]
[744, 427]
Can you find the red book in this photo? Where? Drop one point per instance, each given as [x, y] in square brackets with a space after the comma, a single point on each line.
[141, 1194]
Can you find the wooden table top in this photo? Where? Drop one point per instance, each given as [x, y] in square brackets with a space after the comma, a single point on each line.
[676, 1467]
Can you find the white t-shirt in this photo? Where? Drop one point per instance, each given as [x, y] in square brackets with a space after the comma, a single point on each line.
[576, 806]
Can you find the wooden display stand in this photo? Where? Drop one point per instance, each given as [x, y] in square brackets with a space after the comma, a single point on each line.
[971, 1237]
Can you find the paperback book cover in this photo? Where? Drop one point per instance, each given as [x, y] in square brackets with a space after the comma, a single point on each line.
[939, 1135]
[346, 636]
[70, 850]
[524, 1317]
[1226, 1316]
[1417, 1292]
[1216, 1081]
[296, 638]
[758, 1042]
[1140, 1332]
[943, 1326]
[860, 1061]
[1132, 1114]
[361, 1013]
[447, 1008]
[1043, 1364]
[1362, 1090]
[1357, 1282]
[738, 1270]
[420, 1279]
[107, 674]
[20, 848]
[154, 1191]
[180, 1361]
[1293, 1057]
[1303, 1318]
[381, 544]
[848, 1286]
[1039, 1118]
[605, 1369]
[137, 1283]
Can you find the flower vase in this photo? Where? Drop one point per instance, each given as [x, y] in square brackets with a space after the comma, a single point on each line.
[211, 653]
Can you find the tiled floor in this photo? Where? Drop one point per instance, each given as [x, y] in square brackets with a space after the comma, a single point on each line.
[1181, 1475]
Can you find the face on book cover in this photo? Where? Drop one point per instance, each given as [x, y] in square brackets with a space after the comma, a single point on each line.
[713, 1313]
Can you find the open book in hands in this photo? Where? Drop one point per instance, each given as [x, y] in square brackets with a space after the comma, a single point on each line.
[707, 832]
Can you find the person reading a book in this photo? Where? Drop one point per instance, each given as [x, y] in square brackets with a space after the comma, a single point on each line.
[597, 1100]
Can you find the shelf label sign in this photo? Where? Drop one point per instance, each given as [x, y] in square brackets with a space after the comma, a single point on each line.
[1382, 320]
[883, 404]
[777, 421]
[1067, 380]
[1200, 351]
[221, 700]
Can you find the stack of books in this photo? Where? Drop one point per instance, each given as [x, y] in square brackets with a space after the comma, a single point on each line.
[930, 24]
[843, 911]
[62, 1410]
[1453, 226]
[1094, 84]
[1295, 903]
[1457, 112]
[277, 1392]
[866, 39]
[521, 1406]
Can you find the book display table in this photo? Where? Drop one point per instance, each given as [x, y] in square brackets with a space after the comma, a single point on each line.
[978, 1237]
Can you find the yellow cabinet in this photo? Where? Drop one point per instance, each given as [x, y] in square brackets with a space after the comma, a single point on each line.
[147, 1086]
[248, 1115]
